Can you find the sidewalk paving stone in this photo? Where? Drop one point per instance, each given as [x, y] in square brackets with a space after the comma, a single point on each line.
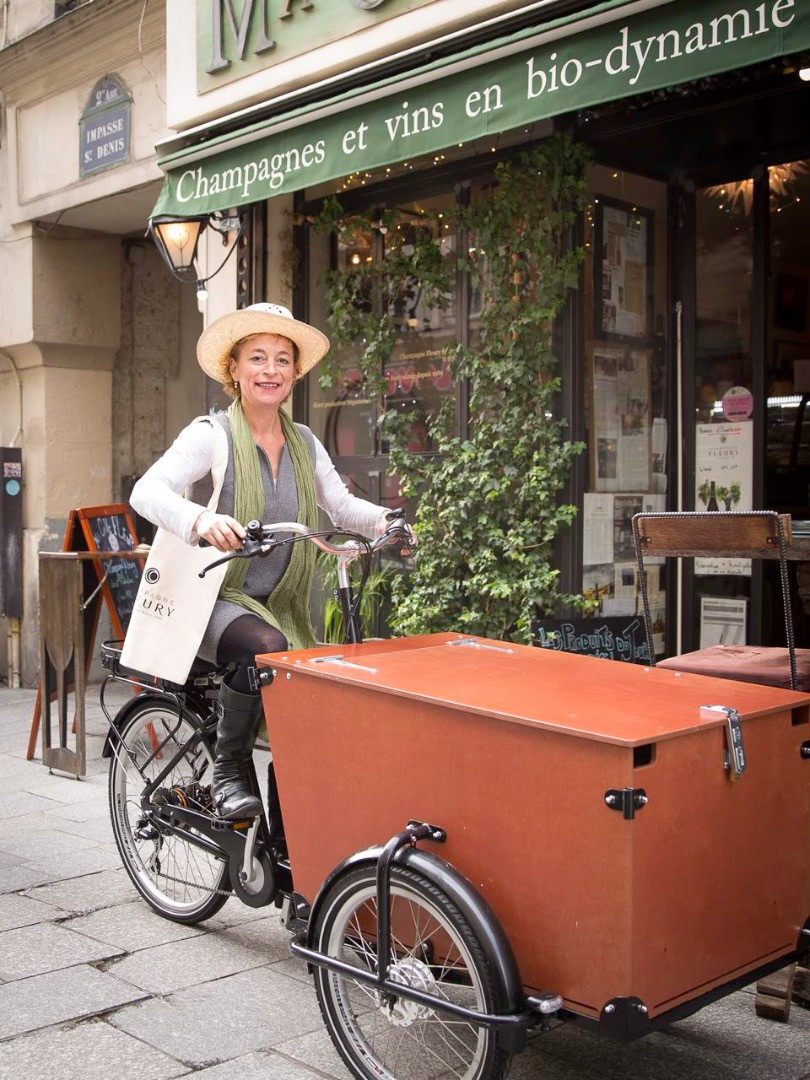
[224, 1019]
[259, 1066]
[66, 790]
[33, 950]
[292, 967]
[84, 811]
[16, 910]
[43, 845]
[87, 1050]
[531, 1065]
[89, 893]
[180, 964]
[12, 767]
[63, 995]
[20, 803]
[66, 867]
[235, 913]
[19, 876]
[130, 927]
[96, 827]
[71, 864]
[266, 936]
[315, 1050]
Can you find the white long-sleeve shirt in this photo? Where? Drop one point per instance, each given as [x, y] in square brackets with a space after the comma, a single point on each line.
[158, 497]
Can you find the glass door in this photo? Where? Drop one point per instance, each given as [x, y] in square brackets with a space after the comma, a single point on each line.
[787, 450]
[626, 379]
[722, 434]
[787, 375]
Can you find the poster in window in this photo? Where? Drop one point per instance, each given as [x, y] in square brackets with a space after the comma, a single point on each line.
[724, 470]
[623, 268]
[620, 401]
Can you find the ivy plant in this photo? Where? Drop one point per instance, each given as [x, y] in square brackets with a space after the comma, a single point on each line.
[489, 502]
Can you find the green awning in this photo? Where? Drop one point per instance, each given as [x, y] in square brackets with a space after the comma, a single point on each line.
[613, 50]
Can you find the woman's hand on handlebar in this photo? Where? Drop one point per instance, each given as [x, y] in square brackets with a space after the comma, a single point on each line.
[220, 531]
[394, 523]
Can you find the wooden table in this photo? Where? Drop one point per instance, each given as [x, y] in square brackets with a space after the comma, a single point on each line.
[70, 603]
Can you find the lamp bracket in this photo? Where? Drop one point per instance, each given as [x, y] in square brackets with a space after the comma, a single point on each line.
[225, 222]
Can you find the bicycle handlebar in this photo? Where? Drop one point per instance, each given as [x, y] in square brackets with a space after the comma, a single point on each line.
[261, 539]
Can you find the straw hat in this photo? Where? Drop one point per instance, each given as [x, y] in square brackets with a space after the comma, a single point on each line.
[217, 340]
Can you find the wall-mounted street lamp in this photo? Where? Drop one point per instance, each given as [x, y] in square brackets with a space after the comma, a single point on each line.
[177, 239]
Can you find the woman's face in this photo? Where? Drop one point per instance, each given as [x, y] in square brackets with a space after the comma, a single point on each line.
[264, 367]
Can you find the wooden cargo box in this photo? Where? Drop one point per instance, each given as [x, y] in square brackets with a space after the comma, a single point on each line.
[515, 751]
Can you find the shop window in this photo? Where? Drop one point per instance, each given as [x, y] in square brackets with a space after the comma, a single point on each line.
[417, 380]
[343, 415]
[625, 357]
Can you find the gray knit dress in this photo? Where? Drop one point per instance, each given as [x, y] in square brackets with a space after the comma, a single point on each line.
[280, 504]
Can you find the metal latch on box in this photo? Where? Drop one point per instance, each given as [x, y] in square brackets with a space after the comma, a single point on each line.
[337, 659]
[734, 753]
[474, 643]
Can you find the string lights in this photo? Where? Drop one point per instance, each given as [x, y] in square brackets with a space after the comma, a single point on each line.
[738, 195]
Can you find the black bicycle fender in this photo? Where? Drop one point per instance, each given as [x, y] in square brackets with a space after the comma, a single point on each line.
[123, 714]
[482, 919]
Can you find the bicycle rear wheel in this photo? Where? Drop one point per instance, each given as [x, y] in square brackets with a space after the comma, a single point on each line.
[175, 876]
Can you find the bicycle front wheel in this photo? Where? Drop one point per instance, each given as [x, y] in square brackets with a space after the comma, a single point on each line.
[175, 876]
[433, 949]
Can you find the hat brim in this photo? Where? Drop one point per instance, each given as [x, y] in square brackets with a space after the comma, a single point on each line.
[217, 340]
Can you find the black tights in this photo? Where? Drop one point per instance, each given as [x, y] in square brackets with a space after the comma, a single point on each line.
[241, 642]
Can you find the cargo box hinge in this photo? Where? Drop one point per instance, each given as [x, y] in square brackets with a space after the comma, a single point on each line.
[626, 800]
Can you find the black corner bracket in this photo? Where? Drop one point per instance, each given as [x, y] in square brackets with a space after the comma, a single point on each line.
[624, 1019]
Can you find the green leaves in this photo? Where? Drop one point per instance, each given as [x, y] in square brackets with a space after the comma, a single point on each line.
[489, 504]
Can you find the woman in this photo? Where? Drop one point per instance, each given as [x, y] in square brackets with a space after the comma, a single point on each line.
[276, 471]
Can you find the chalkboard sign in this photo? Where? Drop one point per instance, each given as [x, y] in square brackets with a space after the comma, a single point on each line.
[612, 637]
[93, 531]
[110, 528]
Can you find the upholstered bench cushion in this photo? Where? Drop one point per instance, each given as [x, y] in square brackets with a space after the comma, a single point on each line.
[748, 663]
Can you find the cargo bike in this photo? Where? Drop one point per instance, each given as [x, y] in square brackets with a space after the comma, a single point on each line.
[479, 838]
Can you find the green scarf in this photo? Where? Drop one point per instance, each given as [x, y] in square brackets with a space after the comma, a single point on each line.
[287, 607]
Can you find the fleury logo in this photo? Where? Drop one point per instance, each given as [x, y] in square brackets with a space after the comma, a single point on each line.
[152, 575]
[154, 605]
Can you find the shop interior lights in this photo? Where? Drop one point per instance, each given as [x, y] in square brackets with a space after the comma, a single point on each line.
[739, 194]
[177, 239]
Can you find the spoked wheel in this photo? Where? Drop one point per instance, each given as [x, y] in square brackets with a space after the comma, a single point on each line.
[177, 878]
[433, 949]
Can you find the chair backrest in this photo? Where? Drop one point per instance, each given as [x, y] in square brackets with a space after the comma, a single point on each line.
[757, 534]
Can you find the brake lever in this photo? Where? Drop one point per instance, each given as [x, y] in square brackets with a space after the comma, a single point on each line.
[398, 531]
[249, 551]
[225, 558]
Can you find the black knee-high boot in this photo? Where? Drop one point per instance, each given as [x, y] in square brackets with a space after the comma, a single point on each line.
[239, 719]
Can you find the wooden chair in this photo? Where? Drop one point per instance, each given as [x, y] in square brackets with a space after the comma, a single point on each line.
[753, 534]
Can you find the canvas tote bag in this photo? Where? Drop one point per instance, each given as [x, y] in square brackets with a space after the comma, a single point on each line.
[173, 603]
